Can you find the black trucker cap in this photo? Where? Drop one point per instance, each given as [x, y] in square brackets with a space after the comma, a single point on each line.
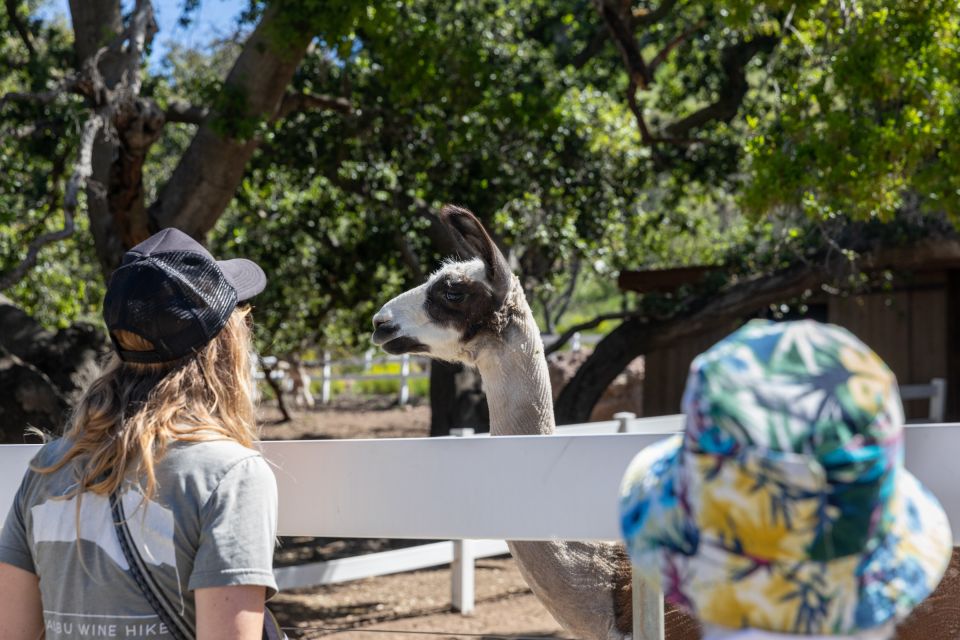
[172, 292]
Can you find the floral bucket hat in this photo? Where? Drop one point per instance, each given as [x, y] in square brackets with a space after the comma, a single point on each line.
[785, 506]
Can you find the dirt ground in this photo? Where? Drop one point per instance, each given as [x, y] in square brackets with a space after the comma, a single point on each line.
[402, 606]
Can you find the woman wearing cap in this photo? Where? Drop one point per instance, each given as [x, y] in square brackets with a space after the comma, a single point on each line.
[784, 510]
[168, 429]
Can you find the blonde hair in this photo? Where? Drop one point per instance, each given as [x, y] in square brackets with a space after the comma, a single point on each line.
[126, 418]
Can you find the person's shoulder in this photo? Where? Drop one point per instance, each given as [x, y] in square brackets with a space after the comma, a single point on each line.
[212, 467]
[51, 452]
[214, 458]
[214, 453]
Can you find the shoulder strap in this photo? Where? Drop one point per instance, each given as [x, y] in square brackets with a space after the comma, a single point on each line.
[177, 626]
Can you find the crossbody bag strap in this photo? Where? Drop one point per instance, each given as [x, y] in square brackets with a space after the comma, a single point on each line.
[177, 626]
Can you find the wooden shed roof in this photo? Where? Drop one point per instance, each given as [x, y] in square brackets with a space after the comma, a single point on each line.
[927, 255]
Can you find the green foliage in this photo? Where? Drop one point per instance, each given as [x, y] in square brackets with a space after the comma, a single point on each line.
[37, 145]
[867, 113]
[484, 115]
[419, 388]
[493, 105]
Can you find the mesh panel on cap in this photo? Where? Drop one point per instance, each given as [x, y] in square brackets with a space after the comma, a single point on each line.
[178, 300]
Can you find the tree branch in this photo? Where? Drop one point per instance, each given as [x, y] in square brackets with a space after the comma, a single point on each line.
[293, 102]
[646, 17]
[567, 295]
[88, 82]
[645, 136]
[68, 85]
[592, 48]
[565, 337]
[78, 181]
[734, 61]
[18, 24]
[179, 111]
[139, 34]
[673, 44]
[619, 23]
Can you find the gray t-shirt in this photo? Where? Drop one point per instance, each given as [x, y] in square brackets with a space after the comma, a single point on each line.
[211, 523]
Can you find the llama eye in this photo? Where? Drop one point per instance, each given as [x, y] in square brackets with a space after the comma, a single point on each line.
[453, 296]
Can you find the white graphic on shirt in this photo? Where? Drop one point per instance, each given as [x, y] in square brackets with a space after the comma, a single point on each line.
[151, 527]
[56, 521]
[87, 626]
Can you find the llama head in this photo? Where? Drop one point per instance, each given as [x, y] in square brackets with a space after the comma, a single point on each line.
[460, 306]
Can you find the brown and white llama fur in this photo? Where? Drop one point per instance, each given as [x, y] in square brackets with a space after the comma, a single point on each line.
[475, 312]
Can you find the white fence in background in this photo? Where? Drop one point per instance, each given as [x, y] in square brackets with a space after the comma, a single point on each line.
[935, 391]
[325, 372]
[328, 376]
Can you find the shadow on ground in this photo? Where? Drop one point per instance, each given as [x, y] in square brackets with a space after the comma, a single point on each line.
[303, 621]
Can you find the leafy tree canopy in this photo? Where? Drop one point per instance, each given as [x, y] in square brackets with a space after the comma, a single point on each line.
[721, 132]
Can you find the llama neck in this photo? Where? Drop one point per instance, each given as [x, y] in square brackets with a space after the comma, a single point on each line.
[577, 582]
[516, 380]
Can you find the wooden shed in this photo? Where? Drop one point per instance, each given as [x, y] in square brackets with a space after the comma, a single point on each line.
[911, 324]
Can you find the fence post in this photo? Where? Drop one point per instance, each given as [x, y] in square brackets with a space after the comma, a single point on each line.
[575, 343]
[624, 418]
[462, 592]
[647, 611]
[367, 360]
[938, 400]
[404, 379]
[325, 379]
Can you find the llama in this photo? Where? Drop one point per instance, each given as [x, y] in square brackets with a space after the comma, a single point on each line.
[475, 312]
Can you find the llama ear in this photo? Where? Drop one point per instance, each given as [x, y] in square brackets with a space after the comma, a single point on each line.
[474, 241]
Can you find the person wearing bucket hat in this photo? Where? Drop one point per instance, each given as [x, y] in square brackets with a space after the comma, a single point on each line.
[784, 509]
[155, 514]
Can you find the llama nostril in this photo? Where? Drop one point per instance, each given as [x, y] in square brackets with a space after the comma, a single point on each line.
[383, 326]
[386, 328]
[381, 321]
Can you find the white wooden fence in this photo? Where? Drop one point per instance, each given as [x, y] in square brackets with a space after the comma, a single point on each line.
[400, 488]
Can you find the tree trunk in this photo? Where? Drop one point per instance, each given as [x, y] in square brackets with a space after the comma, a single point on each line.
[207, 175]
[277, 390]
[456, 399]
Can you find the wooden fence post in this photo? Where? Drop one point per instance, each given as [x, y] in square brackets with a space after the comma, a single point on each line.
[325, 379]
